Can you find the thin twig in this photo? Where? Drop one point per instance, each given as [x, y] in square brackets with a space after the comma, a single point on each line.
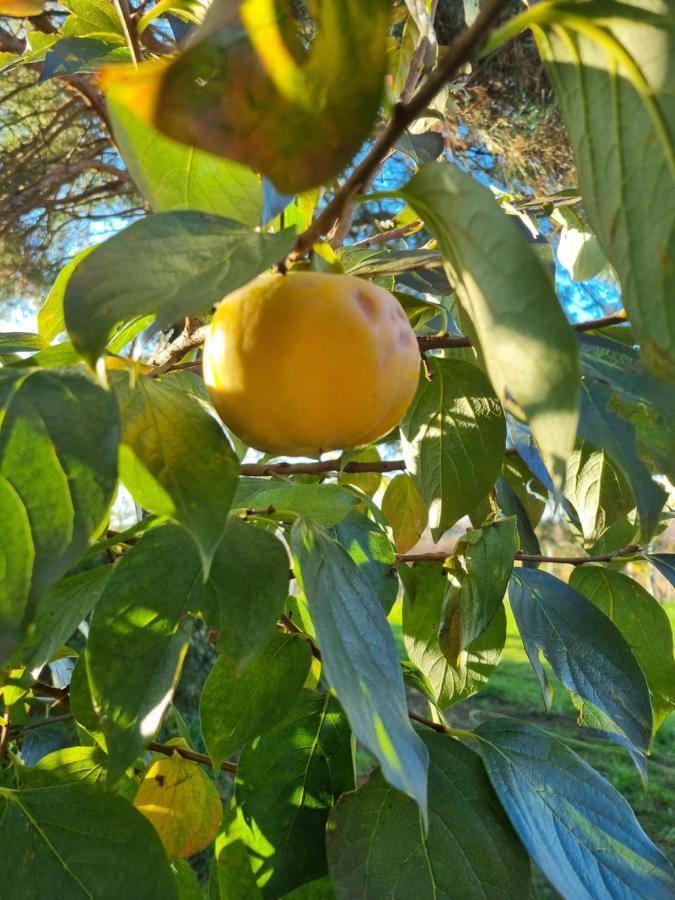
[442, 555]
[129, 29]
[170, 749]
[460, 51]
[52, 720]
[384, 236]
[194, 336]
[446, 341]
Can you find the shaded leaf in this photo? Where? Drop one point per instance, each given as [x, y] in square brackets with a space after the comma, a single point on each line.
[287, 782]
[237, 706]
[359, 657]
[644, 624]
[601, 427]
[138, 638]
[637, 396]
[453, 440]
[161, 426]
[66, 841]
[245, 594]
[377, 846]
[405, 510]
[20, 342]
[528, 347]
[59, 434]
[172, 264]
[598, 490]
[81, 54]
[59, 613]
[585, 650]
[576, 827]
[665, 564]
[426, 591]
[479, 571]
[510, 505]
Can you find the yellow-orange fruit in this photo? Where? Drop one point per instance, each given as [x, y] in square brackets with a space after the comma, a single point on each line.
[182, 803]
[300, 363]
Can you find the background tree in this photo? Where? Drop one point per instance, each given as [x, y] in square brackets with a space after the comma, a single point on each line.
[314, 137]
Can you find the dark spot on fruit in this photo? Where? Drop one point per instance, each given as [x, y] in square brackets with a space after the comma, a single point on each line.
[160, 780]
[367, 303]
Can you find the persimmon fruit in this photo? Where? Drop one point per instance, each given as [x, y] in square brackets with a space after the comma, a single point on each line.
[305, 362]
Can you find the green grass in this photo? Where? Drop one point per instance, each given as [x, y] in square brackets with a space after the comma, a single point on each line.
[514, 690]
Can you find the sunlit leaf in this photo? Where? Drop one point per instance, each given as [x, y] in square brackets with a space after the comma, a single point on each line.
[297, 114]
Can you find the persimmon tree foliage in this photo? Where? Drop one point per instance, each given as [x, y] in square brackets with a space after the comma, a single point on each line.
[253, 130]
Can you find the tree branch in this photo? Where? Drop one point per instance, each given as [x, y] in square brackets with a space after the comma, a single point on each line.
[441, 556]
[194, 336]
[170, 749]
[459, 52]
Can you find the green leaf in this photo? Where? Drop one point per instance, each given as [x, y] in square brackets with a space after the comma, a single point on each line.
[578, 249]
[20, 342]
[187, 881]
[479, 571]
[359, 657]
[231, 876]
[664, 563]
[453, 440]
[612, 67]
[637, 396]
[586, 651]
[79, 841]
[237, 706]
[287, 782]
[174, 176]
[377, 846]
[598, 491]
[426, 591]
[599, 426]
[577, 828]
[16, 565]
[59, 434]
[138, 638]
[92, 17]
[529, 490]
[372, 552]
[161, 427]
[324, 504]
[510, 504]
[173, 264]
[297, 110]
[368, 482]
[246, 592]
[528, 347]
[71, 764]
[642, 621]
[59, 613]
[81, 54]
[50, 320]
[405, 511]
